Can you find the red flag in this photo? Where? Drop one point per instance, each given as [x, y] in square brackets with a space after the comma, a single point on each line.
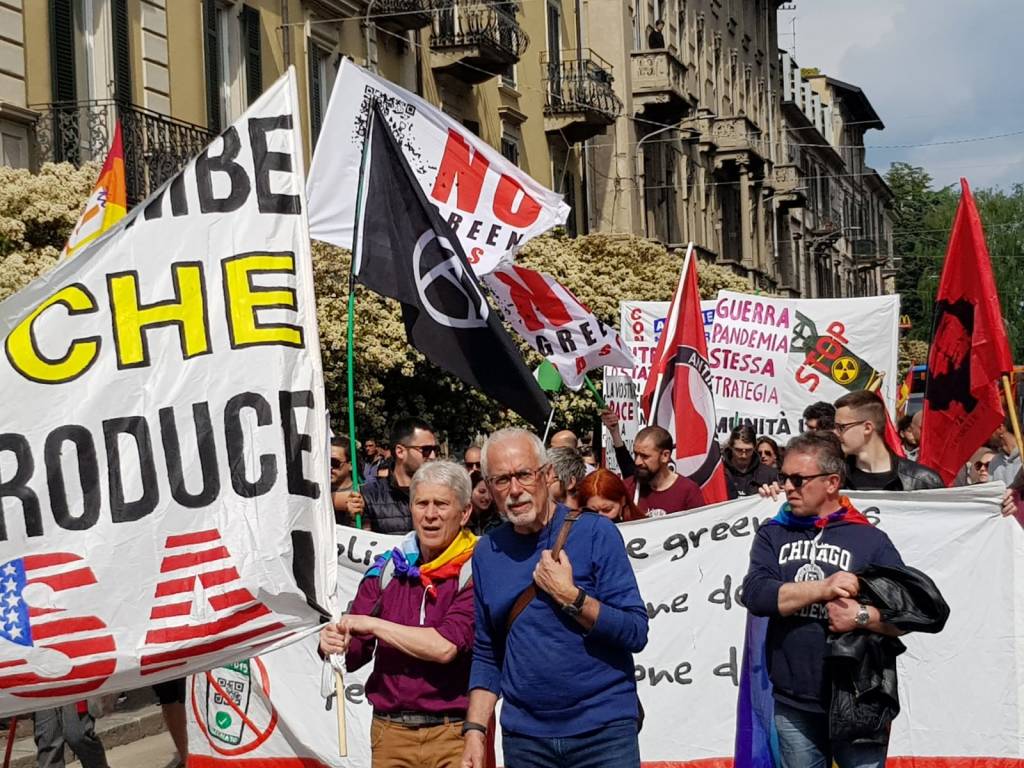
[969, 351]
[679, 394]
[892, 435]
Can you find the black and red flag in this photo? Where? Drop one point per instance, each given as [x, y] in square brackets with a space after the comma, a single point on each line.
[969, 351]
[679, 395]
[407, 252]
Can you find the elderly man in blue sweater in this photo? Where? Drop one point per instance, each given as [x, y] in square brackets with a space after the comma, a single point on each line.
[564, 664]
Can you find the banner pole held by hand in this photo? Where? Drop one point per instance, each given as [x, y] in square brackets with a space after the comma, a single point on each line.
[339, 695]
[547, 429]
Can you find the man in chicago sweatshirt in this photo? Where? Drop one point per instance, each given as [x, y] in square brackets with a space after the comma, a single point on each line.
[564, 665]
[801, 578]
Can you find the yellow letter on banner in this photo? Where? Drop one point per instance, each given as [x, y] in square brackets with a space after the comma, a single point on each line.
[24, 354]
[244, 299]
[132, 319]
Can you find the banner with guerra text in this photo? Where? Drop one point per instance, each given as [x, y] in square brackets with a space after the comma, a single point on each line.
[162, 486]
[962, 691]
[770, 358]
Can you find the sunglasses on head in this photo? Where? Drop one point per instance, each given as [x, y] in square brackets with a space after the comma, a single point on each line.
[799, 480]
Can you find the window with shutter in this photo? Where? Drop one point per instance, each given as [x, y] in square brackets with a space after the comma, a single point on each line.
[62, 50]
[211, 45]
[122, 52]
[316, 88]
[251, 32]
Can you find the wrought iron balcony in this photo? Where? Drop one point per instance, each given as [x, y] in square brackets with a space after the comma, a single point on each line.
[155, 146]
[474, 41]
[579, 101]
[659, 84]
[405, 14]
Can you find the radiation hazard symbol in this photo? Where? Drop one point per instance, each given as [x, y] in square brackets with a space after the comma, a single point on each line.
[845, 370]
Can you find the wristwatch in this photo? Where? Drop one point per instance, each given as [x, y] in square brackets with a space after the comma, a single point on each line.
[573, 609]
[862, 616]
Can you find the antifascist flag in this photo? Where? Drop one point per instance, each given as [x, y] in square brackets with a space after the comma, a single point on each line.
[556, 324]
[107, 204]
[407, 252]
[679, 393]
[969, 350]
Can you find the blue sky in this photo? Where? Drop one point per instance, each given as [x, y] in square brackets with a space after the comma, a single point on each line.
[935, 70]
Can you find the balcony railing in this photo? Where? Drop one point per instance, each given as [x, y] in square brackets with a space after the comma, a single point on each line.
[405, 14]
[580, 83]
[155, 146]
[486, 37]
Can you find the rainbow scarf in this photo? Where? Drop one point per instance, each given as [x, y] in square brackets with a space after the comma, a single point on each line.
[846, 513]
[406, 558]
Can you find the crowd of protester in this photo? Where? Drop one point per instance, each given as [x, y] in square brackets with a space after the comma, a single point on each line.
[556, 613]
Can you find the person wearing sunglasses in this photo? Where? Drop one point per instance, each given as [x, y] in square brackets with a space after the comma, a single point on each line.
[979, 466]
[555, 633]
[471, 458]
[387, 499]
[801, 578]
[745, 473]
[346, 503]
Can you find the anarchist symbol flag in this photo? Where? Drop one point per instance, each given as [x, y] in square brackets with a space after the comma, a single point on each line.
[407, 252]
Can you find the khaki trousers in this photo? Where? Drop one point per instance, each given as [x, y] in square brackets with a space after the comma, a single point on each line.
[397, 746]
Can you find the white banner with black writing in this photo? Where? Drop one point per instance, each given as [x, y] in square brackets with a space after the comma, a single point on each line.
[162, 484]
[962, 691]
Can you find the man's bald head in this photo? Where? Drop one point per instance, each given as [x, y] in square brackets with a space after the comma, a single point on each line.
[564, 439]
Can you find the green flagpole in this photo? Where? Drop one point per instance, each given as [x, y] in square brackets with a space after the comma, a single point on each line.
[350, 356]
[594, 391]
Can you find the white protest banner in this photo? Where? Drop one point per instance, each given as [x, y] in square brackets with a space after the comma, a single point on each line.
[161, 481]
[842, 334]
[774, 356]
[556, 324]
[962, 691]
[492, 206]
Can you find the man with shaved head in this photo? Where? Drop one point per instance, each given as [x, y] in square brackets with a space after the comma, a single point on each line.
[564, 439]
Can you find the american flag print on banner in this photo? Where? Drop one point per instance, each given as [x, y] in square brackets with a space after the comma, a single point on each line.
[78, 650]
[199, 606]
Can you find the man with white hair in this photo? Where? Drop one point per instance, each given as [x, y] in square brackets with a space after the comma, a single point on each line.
[558, 619]
[413, 616]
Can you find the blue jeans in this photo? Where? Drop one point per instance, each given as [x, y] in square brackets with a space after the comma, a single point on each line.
[804, 742]
[614, 746]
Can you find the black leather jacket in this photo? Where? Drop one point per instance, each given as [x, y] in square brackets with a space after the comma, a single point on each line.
[862, 664]
[911, 475]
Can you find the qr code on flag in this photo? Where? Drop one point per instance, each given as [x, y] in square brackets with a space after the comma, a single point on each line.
[399, 114]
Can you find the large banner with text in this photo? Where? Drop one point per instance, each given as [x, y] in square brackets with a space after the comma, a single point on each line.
[770, 358]
[962, 691]
[163, 483]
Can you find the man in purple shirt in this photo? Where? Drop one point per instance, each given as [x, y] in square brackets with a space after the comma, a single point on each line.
[419, 629]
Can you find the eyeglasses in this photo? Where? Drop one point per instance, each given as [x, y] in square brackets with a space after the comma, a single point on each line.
[980, 465]
[337, 463]
[425, 450]
[526, 477]
[841, 428]
[799, 480]
[768, 453]
[472, 464]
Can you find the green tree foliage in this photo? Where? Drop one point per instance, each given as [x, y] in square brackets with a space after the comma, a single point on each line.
[923, 219]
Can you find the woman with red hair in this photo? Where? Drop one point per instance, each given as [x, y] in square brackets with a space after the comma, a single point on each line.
[604, 492]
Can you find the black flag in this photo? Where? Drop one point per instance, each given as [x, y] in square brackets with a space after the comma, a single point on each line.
[406, 251]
